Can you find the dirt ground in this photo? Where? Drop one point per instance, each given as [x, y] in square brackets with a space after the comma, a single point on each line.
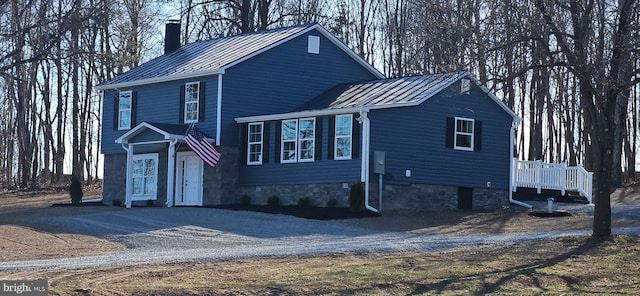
[562, 266]
[34, 241]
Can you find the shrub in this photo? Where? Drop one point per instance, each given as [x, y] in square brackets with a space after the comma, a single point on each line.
[150, 203]
[356, 197]
[273, 200]
[245, 200]
[75, 191]
[305, 202]
[332, 202]
[116, 203]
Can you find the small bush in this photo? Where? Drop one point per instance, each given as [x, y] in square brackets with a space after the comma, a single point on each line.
[305, 202]
[75, 191]
[356, 197]
[150, 203]
[116, 203]
[273, 201]
[332, 202]
[245, 200]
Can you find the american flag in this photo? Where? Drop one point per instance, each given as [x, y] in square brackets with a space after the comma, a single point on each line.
[199, 144]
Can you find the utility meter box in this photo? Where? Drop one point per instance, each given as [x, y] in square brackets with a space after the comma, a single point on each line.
[378, 162]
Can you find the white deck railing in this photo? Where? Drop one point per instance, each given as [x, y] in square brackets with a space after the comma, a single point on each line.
[554, 176]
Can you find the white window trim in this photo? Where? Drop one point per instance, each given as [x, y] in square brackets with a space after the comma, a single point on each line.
[282, 141]
[313, 139]
[250, 143]
[130, 93]
[336, 136]
[456, 133]
[197, 102]
[138, 197]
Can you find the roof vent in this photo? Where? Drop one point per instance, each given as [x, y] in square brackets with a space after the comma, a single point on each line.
[171, 36]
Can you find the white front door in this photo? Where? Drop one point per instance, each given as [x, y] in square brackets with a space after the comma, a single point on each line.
[188, 179]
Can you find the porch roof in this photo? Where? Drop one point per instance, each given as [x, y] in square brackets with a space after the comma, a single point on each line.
[168, 131]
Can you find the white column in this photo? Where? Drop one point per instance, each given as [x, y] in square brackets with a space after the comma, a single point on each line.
[171, 165]
[129, 182]
[219, 111]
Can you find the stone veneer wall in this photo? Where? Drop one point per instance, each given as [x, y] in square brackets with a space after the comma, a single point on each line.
[114, 182]
[220, 184]
[320, 194]
[414, 196]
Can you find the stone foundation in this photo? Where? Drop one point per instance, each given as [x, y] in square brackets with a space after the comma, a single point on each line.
[414, 196]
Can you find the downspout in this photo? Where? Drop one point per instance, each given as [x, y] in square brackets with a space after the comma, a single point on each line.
[128, 182]
[364, 176]
[511, 176]
[219, 110]
[171, 171]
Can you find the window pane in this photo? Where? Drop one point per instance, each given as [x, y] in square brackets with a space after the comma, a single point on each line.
[464, 126]
[289, 130]
[307, 128]
[343, 147]
[137, 168]
[306, 149]
[125, 119]
[150, 185]
[463, 140]
[125, 103]
[192, 92]
[149, 167]
[137, 186]
[255, 153]
[288, 151]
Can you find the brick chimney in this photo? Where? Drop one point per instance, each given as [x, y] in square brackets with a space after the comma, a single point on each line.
[171, 36]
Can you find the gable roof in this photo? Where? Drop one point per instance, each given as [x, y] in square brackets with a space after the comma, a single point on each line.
[214, 56]
[379, 94]
[166, 130]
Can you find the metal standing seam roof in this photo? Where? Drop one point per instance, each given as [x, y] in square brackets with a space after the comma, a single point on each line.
[378, 94]
[213, 56]
[205, 56]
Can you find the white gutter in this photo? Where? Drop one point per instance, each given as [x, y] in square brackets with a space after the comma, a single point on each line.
[165, 78]
[364, 175]
[219, 110]
[301, 114]
[511, 142]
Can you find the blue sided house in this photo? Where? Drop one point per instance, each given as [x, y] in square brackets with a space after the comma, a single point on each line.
[295, 113]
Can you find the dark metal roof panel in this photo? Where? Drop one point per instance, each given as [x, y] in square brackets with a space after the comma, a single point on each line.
[389, 92]
[207, 55]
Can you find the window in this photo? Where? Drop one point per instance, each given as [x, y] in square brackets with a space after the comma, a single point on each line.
[463, 134]
[313, 44]
[191, 102]
[307, 139]
[298, 140]
[124, 110]
[465, 86]
[145, 176]
[254, 142]
[289, 140]
[343, 136]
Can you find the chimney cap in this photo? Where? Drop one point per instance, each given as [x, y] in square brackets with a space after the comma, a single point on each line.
[173, 22]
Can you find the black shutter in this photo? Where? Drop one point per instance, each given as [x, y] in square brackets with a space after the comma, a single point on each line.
[477, 135]
[355, 138]
[201, 102]
[332, 137]
[244, 142]
[278, 142]
[181, 107]
[318, 139]
[449, 132]
[265, 142]
[134, 108]
[116, 110]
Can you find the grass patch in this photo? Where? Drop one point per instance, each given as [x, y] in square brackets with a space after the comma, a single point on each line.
[570, 266]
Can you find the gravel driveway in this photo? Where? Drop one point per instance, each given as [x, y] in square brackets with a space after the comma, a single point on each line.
[163, 235]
